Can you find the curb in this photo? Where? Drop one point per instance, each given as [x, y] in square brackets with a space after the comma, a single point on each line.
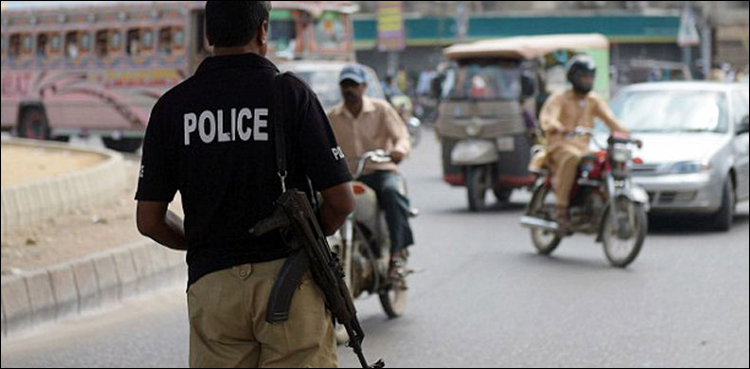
[102, 280]
[27, 203]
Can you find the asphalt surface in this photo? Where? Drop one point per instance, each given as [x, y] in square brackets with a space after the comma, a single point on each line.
[486, 299]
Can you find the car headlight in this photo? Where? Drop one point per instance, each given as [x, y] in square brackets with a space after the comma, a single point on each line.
[689, 167]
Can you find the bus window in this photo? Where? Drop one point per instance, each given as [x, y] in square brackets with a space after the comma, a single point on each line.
[147, 39]
[283, 35]
[133, 42]
[101, 43]
[27, 48]
[41, 45]
[72, 48]
[14, 48]
[330, 31]
[85, 45]
[55, 43]
[165, 40]
[115, 41]
[178, 38]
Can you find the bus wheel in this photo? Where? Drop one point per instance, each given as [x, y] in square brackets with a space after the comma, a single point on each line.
[128, 145]
[34, 125]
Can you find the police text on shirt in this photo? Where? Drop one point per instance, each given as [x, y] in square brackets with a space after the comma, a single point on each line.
[243, 124]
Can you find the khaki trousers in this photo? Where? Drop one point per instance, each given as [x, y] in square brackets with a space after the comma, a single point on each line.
[564, 161]
[227, 312]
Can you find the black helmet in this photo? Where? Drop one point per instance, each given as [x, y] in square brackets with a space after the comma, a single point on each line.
[578, 67]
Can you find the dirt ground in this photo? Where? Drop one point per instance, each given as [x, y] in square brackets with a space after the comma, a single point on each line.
[77, 234]
[25, 164]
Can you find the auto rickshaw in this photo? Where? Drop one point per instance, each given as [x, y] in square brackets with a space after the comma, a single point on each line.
[490, 97]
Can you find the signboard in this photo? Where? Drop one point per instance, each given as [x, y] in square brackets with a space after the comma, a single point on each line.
[391, 26]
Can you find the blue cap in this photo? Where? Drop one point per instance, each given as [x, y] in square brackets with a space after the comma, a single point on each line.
[354, 72]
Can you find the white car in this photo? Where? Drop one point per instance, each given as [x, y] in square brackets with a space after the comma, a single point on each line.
[323, 78]
[695, 146]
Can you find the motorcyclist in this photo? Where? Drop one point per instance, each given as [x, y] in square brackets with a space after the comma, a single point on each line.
[363, 124]
[562, 114]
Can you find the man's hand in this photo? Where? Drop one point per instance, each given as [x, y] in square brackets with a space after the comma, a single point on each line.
[556, 129]
[155, 221]
[397, 157]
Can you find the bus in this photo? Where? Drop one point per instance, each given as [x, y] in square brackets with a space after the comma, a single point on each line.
[97, 68]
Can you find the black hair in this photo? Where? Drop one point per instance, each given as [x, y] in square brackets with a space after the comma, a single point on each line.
[235, 23]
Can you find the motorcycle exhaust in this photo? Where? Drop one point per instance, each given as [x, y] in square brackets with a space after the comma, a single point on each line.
[534, 222]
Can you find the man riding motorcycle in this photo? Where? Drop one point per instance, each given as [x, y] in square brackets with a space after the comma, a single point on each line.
[362, 124]
[561, 114]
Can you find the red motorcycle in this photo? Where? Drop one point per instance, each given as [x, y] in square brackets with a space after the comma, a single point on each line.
[604, 202]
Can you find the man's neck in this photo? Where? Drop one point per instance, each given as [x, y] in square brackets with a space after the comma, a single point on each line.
[236, 50]
[355, 109]
[579, 95]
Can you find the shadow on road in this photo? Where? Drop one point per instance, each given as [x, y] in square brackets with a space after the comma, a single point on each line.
[567, 263]
[689, 225]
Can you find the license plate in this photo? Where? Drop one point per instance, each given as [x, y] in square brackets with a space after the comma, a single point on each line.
[506, 144]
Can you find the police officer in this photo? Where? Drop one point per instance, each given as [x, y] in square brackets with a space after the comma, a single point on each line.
[211, 139]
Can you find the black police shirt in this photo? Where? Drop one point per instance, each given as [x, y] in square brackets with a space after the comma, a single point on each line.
[212, 138]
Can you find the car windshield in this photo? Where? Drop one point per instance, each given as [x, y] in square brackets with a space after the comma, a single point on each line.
[672, 111]
[325, 84]
[486, 80]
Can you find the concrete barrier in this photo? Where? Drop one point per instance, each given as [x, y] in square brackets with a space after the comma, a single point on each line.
[16, 304]
[41, 297]
[102, 280]
[64, 288]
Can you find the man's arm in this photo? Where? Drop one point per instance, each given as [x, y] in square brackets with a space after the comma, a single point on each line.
[608, 117]
[338, 203]
[549, 117]
[155, 221]
[398, 133]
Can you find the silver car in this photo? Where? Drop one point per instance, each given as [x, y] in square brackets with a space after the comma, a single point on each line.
[695, 155]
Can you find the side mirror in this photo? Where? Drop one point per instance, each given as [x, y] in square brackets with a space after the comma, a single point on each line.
[528, 88]
[744, 126]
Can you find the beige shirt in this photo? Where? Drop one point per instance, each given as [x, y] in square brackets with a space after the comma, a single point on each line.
[564, 110]
[378, 127]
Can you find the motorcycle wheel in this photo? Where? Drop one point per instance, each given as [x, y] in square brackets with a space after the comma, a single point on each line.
[621, 251]
[393, 300]
[542, 206]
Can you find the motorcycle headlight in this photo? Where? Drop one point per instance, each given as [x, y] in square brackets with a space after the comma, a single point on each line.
[473, 130]
[622, 154]
[689, 167]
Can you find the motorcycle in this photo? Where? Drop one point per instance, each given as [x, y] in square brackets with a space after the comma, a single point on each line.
[363, 245]
[403, 106]
[604, 202]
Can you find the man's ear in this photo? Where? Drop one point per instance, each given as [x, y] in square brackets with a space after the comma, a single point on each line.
[209, 38]
[262, 34]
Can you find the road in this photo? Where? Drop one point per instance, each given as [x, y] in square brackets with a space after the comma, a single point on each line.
[486, 299]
